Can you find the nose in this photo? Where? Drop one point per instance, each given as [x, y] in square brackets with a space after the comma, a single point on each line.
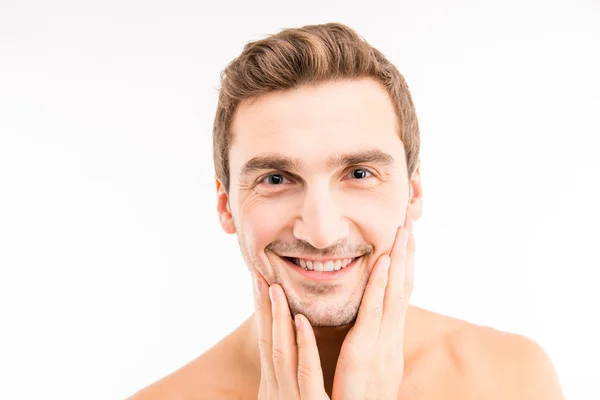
[321, 222]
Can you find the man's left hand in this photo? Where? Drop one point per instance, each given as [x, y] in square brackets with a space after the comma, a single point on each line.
[371, 361]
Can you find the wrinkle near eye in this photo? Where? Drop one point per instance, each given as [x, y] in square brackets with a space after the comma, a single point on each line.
[254, 199]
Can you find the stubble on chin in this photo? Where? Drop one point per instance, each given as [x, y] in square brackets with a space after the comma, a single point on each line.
[325, 310]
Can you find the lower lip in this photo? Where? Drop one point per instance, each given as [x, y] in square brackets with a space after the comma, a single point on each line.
[322, 276]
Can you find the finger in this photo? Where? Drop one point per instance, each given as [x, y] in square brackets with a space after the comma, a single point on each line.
[397, 327]
[264, 322]
[285, 352]
[409, 282]
[310, 374]
[408, 224]
[370, 311]
[398, 292]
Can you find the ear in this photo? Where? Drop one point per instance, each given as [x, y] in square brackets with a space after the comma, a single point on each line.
[415, 202]
[223, 209]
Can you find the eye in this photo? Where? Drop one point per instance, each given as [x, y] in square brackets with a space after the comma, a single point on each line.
[274, 180]
[359, 173]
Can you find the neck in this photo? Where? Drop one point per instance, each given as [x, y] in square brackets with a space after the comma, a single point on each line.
[329, 342]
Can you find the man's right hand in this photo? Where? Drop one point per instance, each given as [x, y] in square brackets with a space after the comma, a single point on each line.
[290, 367]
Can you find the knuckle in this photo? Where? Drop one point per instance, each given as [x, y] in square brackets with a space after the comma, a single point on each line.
[376, 311]
[305, 374]
[263, 345]
[399, 300]
[277, 356]
[398, 297]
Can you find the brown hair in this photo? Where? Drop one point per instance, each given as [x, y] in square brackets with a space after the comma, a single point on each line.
[307, 56]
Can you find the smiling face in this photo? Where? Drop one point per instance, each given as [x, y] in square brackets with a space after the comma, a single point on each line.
[319, 179]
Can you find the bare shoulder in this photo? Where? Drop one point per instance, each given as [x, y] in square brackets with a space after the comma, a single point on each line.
[501, 365]
[214, 374]
[469, 361]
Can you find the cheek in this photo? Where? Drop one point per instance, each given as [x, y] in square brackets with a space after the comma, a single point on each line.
[263, 222]
[377, 216]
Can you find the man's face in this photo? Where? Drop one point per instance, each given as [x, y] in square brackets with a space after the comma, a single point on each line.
[318, 178]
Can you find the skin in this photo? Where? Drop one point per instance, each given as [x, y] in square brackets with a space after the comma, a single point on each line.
[320, 172]
[371, 360]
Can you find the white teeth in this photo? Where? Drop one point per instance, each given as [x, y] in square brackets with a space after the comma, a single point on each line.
[327, 266]
[318, 266]
[338, 265]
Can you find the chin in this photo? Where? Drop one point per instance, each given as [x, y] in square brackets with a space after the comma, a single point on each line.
[324, 314]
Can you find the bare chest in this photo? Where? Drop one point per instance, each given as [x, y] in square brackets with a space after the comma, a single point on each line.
[418, 389]
[428, 380]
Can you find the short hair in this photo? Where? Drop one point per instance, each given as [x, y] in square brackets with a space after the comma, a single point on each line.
[308, 55]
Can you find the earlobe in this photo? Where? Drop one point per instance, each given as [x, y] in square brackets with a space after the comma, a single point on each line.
[227, 224]
[224, 210]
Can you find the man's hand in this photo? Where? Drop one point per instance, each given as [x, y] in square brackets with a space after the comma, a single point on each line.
[290, 367]
[371, 361]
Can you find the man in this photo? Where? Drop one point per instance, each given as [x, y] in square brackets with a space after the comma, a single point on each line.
[316, 149]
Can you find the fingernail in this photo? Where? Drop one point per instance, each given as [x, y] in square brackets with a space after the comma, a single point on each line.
[257, 284]
[385, 262]
[271, 295]
[298, 323]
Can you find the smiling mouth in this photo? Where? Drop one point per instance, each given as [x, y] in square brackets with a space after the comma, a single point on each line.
[322, 266]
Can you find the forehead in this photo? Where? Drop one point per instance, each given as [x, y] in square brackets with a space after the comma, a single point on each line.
[313, 122]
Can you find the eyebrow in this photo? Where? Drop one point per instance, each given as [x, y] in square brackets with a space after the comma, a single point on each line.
[281, 163]
[361, 157]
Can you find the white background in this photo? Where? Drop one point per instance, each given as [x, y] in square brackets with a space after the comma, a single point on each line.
[114, 270]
